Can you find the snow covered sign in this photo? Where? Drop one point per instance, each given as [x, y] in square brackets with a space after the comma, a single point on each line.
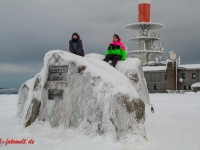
[58, 73]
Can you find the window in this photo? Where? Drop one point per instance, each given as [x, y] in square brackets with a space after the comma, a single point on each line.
[155, 87]
[194, 76]
[185, 87]
[183, 75]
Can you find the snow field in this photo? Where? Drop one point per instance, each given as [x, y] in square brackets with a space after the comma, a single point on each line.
[175, 125]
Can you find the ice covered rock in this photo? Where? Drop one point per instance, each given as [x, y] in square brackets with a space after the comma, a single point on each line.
[88, 95]
[132, 69]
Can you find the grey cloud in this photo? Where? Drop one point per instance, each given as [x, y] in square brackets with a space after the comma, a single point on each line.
[31, 28]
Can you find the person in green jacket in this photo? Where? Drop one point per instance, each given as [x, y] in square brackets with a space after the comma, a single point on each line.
[116, 51]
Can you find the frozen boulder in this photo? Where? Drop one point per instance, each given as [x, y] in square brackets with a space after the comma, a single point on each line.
[132, 69]
[86, 94]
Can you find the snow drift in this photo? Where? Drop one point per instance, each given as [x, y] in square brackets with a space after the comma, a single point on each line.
[97, 99]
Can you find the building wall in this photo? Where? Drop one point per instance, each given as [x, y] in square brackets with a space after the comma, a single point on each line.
[188, 81]
[161, 87]
[156, 81]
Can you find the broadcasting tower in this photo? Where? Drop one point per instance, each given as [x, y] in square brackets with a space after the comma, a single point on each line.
[148, 49]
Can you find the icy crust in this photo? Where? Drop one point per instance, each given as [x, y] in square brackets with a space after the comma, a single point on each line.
[97, 99]
[95, 56]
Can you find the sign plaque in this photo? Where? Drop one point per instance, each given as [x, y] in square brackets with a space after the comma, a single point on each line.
[58, 73]
[55, 94]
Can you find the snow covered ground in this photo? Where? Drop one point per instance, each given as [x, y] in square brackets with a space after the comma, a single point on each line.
[175, 125]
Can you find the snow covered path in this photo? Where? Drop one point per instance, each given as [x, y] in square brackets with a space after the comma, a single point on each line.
[175, 125]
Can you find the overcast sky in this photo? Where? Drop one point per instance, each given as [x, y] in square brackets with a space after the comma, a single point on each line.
[30, 28]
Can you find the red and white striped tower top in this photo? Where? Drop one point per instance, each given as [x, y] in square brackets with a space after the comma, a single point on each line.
[144, 11]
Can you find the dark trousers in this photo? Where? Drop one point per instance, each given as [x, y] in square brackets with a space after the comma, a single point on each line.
[114, 58]
[152, 110]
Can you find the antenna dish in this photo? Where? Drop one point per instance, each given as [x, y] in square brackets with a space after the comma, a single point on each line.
[162, 49]
[152, 57]
[181, 80]
[172, 55]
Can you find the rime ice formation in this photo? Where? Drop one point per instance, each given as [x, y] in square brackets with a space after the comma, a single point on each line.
[95, 98]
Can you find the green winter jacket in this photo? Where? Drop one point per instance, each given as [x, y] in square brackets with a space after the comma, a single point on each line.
[117, 48]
